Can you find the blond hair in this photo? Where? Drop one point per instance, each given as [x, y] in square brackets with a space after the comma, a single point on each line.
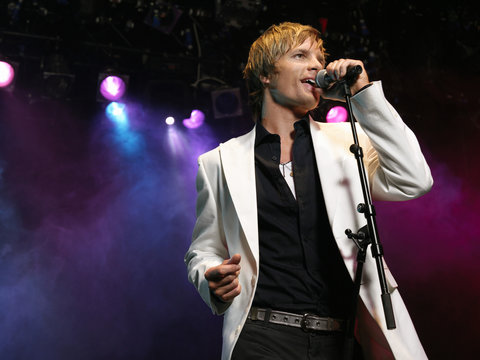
[276, 41]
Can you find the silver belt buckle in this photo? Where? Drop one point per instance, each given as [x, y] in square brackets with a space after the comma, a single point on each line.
[305, 322]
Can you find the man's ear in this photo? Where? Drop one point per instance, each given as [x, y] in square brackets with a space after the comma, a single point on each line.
[265, 80]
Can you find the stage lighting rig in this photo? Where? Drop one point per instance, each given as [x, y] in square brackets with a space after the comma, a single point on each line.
[239, 13]
[58, 80]
[163, 16]
[13, 10]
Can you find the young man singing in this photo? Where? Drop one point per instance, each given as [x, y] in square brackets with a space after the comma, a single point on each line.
[269, 244]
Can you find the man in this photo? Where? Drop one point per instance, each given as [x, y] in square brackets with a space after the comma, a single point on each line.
[269, 244]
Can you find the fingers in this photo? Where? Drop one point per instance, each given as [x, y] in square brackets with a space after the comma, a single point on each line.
[223, 279]
[232, 294]
[228, 291]
[217, 273]
[228, 267]
[333, 69]
[235, 259]
[338, 69]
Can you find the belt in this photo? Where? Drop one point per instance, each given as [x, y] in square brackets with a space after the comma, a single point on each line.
[307, 322]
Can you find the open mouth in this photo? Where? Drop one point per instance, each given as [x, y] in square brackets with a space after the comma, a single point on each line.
[310, 82]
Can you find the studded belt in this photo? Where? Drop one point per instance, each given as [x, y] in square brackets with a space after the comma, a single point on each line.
[307, 322]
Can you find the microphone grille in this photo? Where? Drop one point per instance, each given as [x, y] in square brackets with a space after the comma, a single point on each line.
[322, 79]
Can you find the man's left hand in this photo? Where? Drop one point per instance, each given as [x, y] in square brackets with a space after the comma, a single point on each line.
[337, 70]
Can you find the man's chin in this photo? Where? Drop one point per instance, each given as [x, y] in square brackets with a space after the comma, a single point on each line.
[312, 104]
[304, 110]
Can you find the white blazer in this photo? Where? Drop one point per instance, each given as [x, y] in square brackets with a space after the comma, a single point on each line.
[227, 216]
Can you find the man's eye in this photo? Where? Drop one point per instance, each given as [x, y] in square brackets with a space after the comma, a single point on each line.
[300, 55]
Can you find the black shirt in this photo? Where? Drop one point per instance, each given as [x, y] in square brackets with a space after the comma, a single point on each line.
[301, 269]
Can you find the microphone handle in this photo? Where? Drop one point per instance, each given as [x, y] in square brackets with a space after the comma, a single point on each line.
[323, 80]
[352, 74]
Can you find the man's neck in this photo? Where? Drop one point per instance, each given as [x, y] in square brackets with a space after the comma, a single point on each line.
[281, 121]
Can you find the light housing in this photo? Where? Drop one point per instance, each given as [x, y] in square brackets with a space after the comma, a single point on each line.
[111, 86]
[8, 71]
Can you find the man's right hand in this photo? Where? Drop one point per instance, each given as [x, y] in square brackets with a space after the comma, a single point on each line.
[223, 279]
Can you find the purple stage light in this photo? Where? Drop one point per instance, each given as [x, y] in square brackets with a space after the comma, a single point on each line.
[112, 88]
[337, 114]
[170, 120]
[195, 120]
[7, 73]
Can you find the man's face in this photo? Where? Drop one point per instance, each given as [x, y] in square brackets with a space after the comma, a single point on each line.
[288, 84]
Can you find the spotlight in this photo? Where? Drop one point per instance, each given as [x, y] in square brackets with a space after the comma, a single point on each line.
[226, 103]
[337, 114]
[111, 87]
[170, 120]
[196, 119]
[7, 75]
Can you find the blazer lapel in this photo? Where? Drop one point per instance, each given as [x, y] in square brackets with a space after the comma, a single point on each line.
[238, 161]
[329, 167]
[330, 142]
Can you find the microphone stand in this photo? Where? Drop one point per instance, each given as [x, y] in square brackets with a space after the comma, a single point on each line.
[365, 236]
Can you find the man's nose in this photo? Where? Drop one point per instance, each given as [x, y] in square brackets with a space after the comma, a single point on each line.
[315, 64]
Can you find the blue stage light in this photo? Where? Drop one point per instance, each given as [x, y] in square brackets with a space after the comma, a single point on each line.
[117, 112]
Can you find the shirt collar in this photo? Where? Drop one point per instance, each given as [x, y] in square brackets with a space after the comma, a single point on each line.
[262, 134]
[304, 123]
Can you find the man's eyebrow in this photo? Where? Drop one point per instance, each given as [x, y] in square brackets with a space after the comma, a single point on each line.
[321, 58]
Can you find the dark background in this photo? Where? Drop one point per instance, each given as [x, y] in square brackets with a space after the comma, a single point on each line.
[96, 216]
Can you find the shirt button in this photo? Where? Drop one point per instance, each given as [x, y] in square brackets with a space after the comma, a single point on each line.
[274, 158]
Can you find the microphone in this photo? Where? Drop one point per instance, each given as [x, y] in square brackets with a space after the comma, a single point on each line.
[323, 80]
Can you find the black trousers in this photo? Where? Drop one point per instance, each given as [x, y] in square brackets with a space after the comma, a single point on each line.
[265, 341]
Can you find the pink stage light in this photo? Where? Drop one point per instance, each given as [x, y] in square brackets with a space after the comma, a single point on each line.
[195, 120]
[7, 73]
[337, 114]
[112, 88]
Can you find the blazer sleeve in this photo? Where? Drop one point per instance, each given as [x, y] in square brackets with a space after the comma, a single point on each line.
[208, 247]
[396, 167]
